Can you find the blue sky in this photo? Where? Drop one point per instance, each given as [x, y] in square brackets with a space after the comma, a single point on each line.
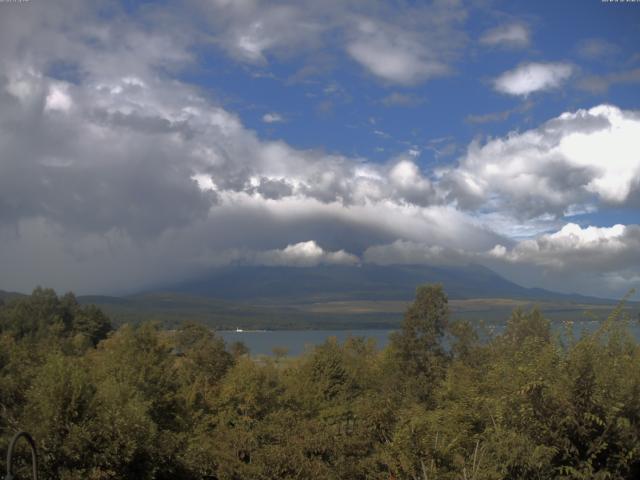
[341, 109]
[151, 141]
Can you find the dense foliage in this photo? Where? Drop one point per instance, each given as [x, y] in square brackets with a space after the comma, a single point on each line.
[437, 403]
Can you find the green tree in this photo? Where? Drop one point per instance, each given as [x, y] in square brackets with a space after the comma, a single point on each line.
[43, 316]
[417, 347]
[202, 361]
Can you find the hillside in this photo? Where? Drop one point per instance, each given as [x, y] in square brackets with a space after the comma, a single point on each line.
[368, 296]
[4, 295]
[365, 282]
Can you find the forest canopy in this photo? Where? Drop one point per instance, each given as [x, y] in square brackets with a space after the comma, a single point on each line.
[141, 402]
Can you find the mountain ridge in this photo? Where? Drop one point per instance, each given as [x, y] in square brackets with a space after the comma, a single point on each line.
[364, 282]
[338, 297]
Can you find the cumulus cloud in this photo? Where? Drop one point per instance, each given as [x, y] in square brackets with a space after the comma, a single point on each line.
[86, 168]
[533, 77]
[599, 261]
[304, 254]
[410, 184]
[57, 98]
[251, 31]
[273, 188]
[403, 45]
[393, 54]
[565, 164]
[83, 154]
[119, 147]
[513, 35]
[115, 175]
[41, 251]
[272, 117]
[601, 248]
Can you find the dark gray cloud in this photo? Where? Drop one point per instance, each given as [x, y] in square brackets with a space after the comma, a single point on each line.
[274, 189]
[62, 162]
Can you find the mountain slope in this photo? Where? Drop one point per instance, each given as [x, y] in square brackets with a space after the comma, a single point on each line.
[368, 296]
[366, 282]
[7, 296]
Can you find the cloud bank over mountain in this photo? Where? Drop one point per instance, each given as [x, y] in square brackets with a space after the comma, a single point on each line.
[117, 172]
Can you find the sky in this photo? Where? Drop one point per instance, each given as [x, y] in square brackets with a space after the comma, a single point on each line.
[144, 143]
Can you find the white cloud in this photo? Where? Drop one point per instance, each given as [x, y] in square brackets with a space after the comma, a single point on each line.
[398, 44]
[118, 176]
[598, 261]
[145, 175]
[304, 254]
[58, 98]
[595, 249]
[146, 172]
[533, 77]
[272, 117]
[251, 31]
[394, 54]
[24, 85]
[567, 163]
[514, 35]
[409, 182]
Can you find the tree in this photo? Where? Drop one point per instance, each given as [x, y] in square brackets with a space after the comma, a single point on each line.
[417, 347]
[202, 363]
[91, 322]
[43, 316]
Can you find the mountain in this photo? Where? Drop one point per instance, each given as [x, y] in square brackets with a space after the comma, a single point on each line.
[365, 282]
[6, 296]
[337, 297]
[334, 297]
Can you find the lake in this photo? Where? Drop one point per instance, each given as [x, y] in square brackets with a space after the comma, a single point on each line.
[262, 342]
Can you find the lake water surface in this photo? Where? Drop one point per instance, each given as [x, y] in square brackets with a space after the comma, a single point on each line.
[298, 341]
[263, 342]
